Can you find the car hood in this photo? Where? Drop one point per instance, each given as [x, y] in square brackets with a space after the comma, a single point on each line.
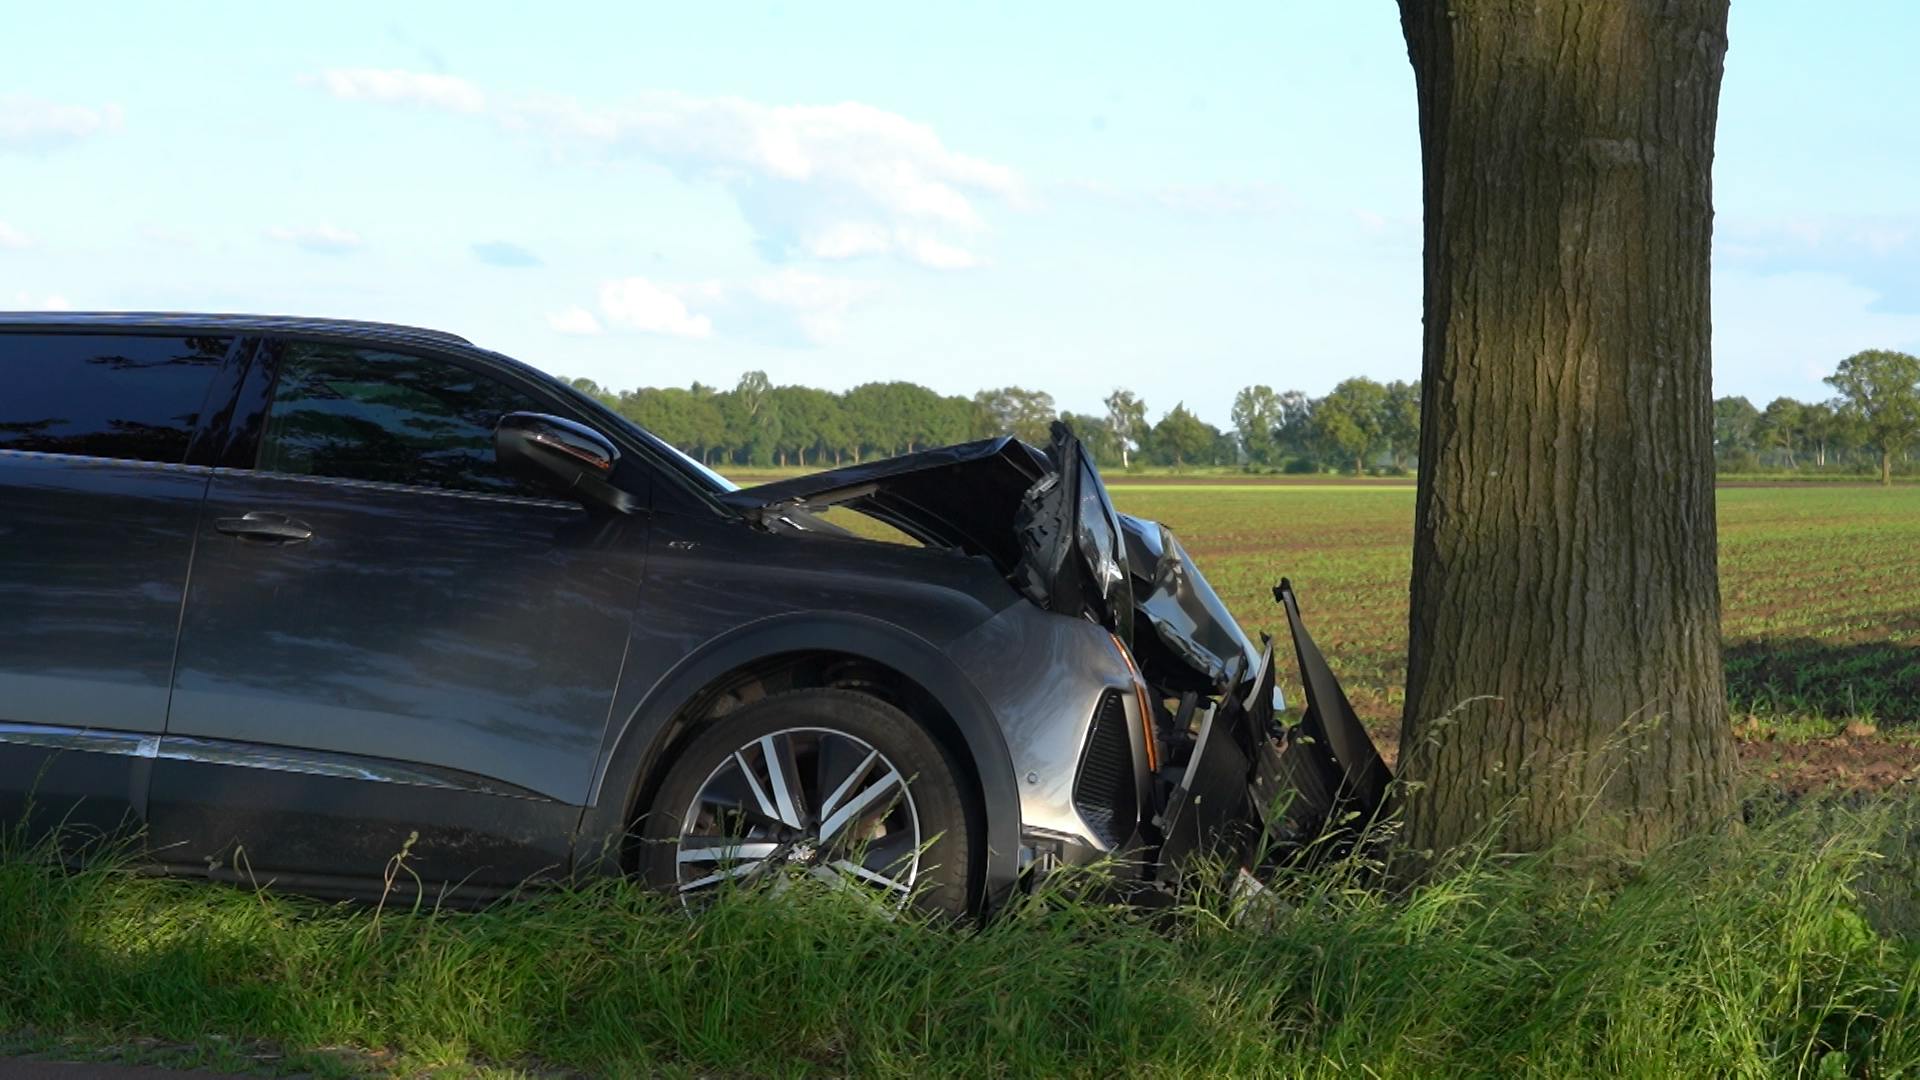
[1046, 520]
[963, 496]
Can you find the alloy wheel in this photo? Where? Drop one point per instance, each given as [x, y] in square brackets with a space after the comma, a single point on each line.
[805, 801]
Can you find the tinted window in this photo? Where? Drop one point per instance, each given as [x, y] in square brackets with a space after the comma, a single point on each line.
[103, 395]
[363, 414]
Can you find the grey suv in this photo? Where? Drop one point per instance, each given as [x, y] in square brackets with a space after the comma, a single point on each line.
[292, 599]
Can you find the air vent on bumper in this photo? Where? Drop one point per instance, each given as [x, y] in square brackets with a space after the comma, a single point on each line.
[1104, 791]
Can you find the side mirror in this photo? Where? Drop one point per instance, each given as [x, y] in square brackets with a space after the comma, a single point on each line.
[563, 455]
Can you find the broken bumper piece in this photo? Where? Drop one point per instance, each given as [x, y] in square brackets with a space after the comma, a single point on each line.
[1251, 793]
[1256, 791]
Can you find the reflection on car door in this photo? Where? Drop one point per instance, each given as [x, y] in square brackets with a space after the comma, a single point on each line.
[387, 637]
[97, 505]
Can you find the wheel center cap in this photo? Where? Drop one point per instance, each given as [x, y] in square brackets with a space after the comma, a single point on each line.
[802, 852]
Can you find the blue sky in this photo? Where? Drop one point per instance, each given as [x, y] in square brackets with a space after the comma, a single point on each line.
[1181, 199]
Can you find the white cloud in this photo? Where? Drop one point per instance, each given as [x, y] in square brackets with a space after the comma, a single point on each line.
[1254, 198]
[30, 123]
[822, 181]
[394, 86]
[827, 181]
[639, 304]
[817, 306]
[12, 239]
[45, 302]
[321, 239]
[930, 251]
[574, 320]
[790, 307]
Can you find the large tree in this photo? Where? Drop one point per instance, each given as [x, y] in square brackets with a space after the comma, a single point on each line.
[1881, 392]
[1564, 668]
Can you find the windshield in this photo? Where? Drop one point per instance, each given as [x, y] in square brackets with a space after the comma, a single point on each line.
[719, 481]
[713, 481]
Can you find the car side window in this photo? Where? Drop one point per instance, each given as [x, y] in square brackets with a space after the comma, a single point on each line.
[354, 413]
[124, 396]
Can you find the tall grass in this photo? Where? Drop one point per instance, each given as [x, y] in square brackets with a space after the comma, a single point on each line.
[1784, 948]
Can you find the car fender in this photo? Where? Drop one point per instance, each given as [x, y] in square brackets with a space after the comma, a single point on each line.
[635, 751]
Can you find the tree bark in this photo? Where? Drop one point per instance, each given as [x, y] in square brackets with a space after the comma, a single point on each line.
[1565, 674]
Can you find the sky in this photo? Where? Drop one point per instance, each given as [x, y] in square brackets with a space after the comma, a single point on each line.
[1178, 199]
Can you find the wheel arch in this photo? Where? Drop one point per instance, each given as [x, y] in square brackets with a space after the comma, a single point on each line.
[935, 692]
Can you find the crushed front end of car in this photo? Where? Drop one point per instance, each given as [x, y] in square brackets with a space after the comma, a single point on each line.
[1215, 772]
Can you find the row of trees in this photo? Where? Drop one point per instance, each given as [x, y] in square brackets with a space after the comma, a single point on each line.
[1361, 423]
[1874, 418]
[1359, 426]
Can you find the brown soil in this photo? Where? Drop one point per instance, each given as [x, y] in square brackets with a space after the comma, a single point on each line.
[1120, 479]
[1863, 763]
[1869, 763]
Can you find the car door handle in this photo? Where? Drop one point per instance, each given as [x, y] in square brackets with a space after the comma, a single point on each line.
[262, 526]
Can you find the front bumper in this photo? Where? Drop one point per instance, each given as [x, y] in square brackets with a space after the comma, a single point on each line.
[1237, 785]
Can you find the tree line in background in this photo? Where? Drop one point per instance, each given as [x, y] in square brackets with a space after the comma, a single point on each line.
[1360, 426]
[1873, 422]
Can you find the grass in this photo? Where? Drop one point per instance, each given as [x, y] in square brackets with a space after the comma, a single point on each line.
[1789, 947]
[1786, 948]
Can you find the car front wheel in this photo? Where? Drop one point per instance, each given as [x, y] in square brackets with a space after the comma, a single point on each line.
[829, 785]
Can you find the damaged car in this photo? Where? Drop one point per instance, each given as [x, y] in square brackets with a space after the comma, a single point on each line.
[349, 608]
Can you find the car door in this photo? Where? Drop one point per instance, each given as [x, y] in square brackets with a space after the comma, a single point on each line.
[389, 644]
[97, 508]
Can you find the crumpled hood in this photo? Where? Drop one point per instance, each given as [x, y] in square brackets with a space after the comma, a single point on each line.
[963, 496]
[1046, 521]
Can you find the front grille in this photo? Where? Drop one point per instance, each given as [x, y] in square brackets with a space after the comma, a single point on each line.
[1104, 792]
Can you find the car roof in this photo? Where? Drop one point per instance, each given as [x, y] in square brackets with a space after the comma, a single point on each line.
[134, 321]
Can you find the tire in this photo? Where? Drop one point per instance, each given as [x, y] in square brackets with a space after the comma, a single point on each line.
[870, 799]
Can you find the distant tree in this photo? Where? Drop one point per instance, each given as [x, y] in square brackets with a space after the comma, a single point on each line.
[1095, 434]
[1779, 427]
[1293, 434]
[1012, 410]
[593, 390]
[1734, 421]
[1256, 416]
[1182, 437]
[1846, 432]
[1227, 448]
[1351, 421]
[1127, 419]
[689, 420]
[810, 422]
[1881, 389]
[1817, 428]
[1400, 420]
[753, 417]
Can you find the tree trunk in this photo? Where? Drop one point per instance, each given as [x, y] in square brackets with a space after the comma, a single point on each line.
[1886, 468]
[1564, 671]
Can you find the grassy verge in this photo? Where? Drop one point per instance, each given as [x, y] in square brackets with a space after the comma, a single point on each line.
[1787, 947]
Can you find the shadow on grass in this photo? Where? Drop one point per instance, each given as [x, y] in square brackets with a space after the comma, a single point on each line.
[1805, 677]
